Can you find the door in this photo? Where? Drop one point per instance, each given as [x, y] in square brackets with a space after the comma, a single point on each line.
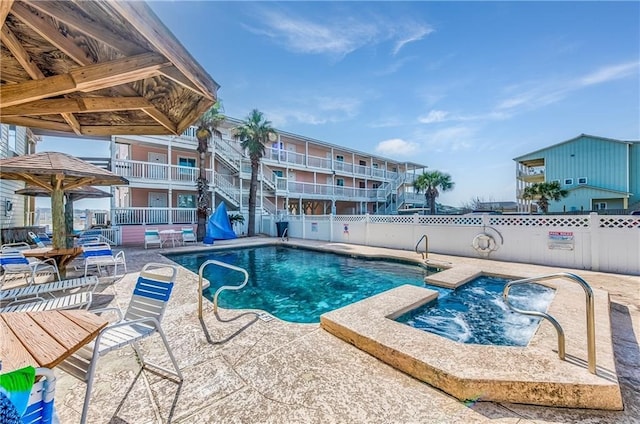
[158, 212]
[157, 166]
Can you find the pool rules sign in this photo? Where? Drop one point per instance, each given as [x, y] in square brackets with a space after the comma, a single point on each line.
[561, 240]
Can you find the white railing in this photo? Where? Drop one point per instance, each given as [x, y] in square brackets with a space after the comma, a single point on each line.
[222, 184]
[144, 216]
[337, 192]
[139, 170]
[228, 153]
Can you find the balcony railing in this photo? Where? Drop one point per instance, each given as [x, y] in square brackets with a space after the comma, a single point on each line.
[335, 192]
[155, 216]
[139, 170]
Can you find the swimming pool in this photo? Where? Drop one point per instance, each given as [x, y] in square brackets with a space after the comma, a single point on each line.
[475, 313]
[299, 285]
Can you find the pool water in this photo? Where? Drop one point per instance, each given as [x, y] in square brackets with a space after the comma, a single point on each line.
[299, 285]
[475, 313]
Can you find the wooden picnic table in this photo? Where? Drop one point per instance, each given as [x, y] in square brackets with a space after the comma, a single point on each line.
[62, 256]
[45, 339]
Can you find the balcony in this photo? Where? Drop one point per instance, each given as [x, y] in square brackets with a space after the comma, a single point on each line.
[154, 216]
[532, 174]
[155, 172]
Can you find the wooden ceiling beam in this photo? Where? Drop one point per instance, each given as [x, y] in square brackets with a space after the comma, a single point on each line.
[160, 118]
[87, 78]
[73, 122]
[5, 8]
[22, 56]
[35, 181]
[196, 111]
[36, 123]
[63, 12]
[78, 183]
[131, 129]
[142, 18]
[76, 105]
[43, 26]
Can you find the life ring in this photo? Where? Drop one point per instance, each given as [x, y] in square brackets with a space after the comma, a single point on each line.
[484, 243]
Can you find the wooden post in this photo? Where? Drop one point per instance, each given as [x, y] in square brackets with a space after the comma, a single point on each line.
[57, 212]
[68, 220]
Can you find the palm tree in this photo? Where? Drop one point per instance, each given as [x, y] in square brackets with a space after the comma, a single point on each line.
[432, 183]
[543, 192]
[207, 128]
[254, 133]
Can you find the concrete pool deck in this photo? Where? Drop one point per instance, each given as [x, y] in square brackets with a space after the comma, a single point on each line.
[248, 370]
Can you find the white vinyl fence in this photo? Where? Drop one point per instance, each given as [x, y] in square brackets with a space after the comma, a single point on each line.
[609, 243]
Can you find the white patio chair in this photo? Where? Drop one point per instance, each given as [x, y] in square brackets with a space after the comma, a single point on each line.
[100, 255]
[141, 320]
[188, 236]
[152, 237]
[37, 290]
[36, 239]
[13, 263]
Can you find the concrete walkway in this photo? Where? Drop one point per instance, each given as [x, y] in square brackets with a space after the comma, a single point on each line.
[246, 370]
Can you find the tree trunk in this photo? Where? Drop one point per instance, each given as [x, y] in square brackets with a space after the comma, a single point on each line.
[201, 211]
[253, 190]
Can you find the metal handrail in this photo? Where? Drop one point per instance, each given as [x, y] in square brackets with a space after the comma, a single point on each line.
[425, 255]
[285, 233]
[215, 296]
[591, 331]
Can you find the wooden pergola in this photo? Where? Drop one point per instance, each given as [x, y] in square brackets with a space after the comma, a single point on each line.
[96, 68]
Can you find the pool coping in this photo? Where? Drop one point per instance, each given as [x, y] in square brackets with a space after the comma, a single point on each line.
[529, 375]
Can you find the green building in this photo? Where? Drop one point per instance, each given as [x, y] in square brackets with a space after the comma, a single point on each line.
[599, 173]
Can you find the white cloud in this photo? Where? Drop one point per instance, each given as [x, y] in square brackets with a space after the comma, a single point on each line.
[339, 35]
[418, 32]
[433, 116]
[610, 73]
[396, 147]
[450, 139]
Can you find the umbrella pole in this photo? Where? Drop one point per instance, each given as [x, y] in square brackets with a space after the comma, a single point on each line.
[57, 213]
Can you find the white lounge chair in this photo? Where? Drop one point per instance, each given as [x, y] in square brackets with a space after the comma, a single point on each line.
[13, 263]
[188, 236]
[152, 237]
[141, 320]
[100, 255]
[81, 300]
[37, 290]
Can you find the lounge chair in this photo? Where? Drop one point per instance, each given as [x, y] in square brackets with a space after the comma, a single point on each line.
[80, 300]
[141, 320]
[152, 237]
[100, 255]
[14, 263]
[36, 239]
[37, 290]
[188, 236]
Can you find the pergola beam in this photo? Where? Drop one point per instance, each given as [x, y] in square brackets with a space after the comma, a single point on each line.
[76, 105]
[86, 79]
[5, 7]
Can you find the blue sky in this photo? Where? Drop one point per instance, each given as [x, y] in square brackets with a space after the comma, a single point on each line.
[462, 87]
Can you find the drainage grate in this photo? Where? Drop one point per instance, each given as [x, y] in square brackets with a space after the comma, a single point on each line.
[265, 316]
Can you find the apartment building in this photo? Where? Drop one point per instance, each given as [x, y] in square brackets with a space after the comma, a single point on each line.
[599, 173]
[15, 210]
[297, 175]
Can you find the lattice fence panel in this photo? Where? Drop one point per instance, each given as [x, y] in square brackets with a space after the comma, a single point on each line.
[449, 220]
[391, 219]
[618, 222]
[350, 218]
[541, 221]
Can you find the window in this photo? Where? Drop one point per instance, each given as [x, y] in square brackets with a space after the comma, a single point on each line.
[363, 163]
[340, 158]
[375, 165]
[279, 174]
[376, 185]
[12, 139]
[568, 181]
[361, 184]
[340, 182]
[187, 201]
[394, 169]
[582, 180]
[601, 205]
[190, 162]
